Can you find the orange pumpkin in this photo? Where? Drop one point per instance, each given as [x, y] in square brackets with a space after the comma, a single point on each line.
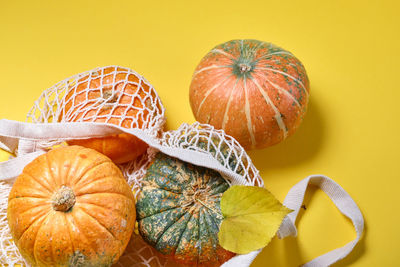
[71, 207]
[114, 96]
[255, 91]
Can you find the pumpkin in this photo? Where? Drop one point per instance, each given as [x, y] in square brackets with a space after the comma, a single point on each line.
[71, 207]
[179, 213]
[115, 96]
[255, 91]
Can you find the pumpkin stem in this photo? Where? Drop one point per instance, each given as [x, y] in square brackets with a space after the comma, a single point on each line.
[63, 199]
[108, 98]
[244, 68]
[109, 95]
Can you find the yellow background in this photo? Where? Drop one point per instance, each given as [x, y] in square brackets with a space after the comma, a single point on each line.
[349, 48]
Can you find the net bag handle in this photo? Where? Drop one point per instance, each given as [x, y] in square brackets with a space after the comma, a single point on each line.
[343, 202]
[23, 138]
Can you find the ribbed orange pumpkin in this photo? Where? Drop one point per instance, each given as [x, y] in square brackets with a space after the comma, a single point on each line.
[71, 207]
[112, 87]
[255, 91]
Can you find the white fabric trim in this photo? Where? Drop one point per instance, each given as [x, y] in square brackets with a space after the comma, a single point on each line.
[13, 167]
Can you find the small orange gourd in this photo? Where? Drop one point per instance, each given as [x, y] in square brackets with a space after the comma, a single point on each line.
[113, 96]
[71, 207]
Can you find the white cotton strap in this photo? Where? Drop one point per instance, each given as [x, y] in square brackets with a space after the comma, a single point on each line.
[44, 131]
[21, 138]
[8, 144]
[13, 167]
[343, 202]
[28, 135]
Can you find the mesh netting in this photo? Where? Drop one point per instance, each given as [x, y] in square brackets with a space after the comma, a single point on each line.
[135, 170]
[139, 253]
[224, 148]
[111, 94]
[9, 253]
[119, 96]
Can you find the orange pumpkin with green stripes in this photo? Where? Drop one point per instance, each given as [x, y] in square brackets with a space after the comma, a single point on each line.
[255, 91]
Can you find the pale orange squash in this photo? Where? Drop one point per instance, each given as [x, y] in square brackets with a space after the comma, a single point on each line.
[255, 91]
[112, 96]
[71, 207]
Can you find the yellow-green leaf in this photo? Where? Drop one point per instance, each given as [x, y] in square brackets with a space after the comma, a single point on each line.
[252, 216]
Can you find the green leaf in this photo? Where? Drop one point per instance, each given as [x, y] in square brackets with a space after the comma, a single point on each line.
[252, 216]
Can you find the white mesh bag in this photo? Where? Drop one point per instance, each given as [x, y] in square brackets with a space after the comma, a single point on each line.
[114, 100]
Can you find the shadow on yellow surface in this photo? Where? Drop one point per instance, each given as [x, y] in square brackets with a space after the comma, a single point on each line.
[304, 145]
[270, 256]
[358, 251]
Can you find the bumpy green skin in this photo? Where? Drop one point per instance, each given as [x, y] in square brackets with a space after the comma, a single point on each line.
[179, 211]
